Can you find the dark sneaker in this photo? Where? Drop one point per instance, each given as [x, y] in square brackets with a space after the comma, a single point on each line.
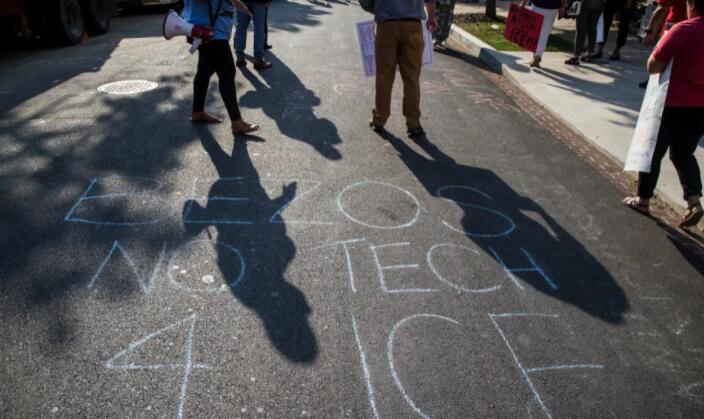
[267, 46]
[262, 64]
[241, 63]
[375, 127]
[413, 132]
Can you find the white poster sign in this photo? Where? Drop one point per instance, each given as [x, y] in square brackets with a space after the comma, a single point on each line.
[645, 135]
[600, 30]
[428, 52]
[366, 37]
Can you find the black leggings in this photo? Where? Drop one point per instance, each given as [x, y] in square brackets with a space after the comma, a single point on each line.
[216, 57]
[680, 130]
[586, 28]
[613, 7]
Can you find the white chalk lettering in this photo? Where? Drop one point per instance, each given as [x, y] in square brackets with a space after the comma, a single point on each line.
[437, 273]
[390, 355]
[350, 271]
[381, 269]
[146, 284]
[89, 197]
[238, 278]
[365, 368]
[526, 371]
[409, 223]
[187, 363]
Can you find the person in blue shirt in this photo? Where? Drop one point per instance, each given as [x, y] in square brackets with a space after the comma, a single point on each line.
[215, 56]
[258, 16]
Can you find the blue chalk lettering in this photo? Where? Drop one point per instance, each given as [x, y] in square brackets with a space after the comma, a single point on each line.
[508, 230]
[277, 219]
[204, 216]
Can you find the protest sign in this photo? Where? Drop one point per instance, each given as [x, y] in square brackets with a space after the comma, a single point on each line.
[600, 30]
[523, 27]
[366, 37]
[640, 154]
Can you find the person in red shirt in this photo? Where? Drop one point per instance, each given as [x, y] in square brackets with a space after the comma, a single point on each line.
[682, 123]
[668, 13]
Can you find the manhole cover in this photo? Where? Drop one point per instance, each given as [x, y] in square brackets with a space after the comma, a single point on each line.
[128, 87]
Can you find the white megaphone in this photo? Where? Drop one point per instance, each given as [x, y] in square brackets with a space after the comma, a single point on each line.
[175, 26]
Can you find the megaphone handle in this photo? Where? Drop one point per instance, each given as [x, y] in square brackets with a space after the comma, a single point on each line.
[194, 46]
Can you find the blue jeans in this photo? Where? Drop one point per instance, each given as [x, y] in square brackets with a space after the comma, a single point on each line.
[259, 12]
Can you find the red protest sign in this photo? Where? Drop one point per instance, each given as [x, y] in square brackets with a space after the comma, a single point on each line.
[523, 27]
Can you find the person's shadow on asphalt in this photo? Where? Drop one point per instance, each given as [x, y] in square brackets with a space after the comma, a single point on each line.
[281, 307]
[288, 102]
[573, 274]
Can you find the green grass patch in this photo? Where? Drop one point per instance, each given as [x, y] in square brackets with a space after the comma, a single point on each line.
[493, 34]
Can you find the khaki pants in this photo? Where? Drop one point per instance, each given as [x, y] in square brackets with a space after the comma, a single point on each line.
[400, 42]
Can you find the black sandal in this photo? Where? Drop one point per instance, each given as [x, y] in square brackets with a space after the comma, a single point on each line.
[572, 61]
[692, 216]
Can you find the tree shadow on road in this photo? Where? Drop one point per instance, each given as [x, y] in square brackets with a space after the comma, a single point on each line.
[125, 147]
[541, 254]
[291, 16]
[280, 306]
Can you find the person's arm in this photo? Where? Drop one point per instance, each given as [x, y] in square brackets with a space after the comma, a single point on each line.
[666, 50]
[655, 66]
[432, 23]
[563, 9]
[367, 5]
[655, 25]
[242, 7]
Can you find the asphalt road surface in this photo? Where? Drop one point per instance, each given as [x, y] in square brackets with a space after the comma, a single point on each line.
[152, 268]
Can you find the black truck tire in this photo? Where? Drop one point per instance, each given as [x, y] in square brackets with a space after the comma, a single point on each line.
[97, 16]
[65, 18]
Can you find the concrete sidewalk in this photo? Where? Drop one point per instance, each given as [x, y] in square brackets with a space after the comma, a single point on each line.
[601, 101]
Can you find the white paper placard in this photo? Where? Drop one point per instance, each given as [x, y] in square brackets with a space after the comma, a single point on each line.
[366, 37]
[600, 30]
[640, 154]
[428, 52]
